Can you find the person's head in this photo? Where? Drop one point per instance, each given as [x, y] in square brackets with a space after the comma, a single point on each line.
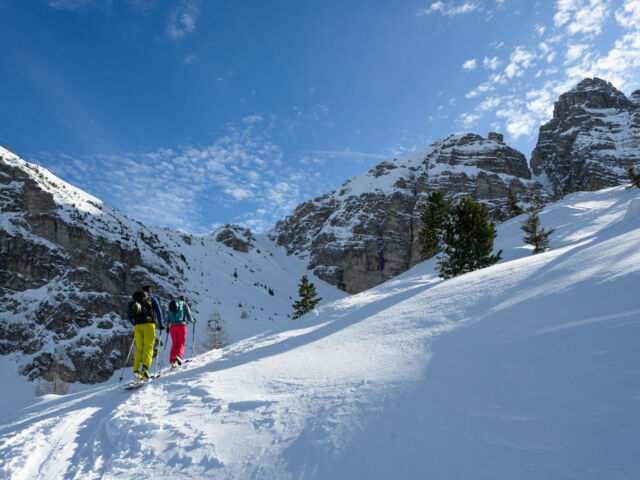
[146, 288]
[181, 297]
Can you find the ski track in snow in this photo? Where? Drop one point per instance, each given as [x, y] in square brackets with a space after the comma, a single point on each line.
[526, 369]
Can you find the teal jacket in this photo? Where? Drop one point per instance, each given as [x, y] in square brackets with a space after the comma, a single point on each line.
[176, 319]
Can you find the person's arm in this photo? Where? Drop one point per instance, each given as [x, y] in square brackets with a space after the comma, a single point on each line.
[130, 318]
[158, 310]
[187, 312]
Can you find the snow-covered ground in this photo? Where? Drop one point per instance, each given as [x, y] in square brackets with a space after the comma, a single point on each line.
[528, 369]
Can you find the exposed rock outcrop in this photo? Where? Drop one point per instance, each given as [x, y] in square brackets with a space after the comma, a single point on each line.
[235, 237]
[594, 132]
[367, 231]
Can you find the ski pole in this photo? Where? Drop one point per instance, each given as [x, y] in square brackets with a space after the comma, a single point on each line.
[193, 338]
[127, 360]
[165, 347]
[157, 355]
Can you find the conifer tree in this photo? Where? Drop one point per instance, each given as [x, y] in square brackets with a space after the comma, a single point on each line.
[535, 234]
[634, 177]
[512, 207]
[308, 298]
[467, 239]
[538, 202]
[214, 336]
[434, 217]
[52, 381]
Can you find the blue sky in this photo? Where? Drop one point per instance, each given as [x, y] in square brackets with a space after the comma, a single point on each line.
[195, 113]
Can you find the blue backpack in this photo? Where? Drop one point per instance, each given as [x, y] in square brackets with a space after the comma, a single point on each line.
[176, 311]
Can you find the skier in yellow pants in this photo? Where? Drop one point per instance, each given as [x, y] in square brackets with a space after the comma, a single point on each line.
[145, 315]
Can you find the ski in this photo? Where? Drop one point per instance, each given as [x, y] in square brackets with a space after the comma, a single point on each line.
[171, 371]
[135, 384]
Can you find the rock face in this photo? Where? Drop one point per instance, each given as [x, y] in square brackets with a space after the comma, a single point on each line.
[366, 232]
[235, 237]
[68, 265]
[594, 132]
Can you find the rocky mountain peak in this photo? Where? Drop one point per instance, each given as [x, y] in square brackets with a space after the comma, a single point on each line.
[635, 98]
[590, 93]
[592, 135]
[366, 231]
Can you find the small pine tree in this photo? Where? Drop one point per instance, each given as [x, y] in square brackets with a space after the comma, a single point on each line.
[214, 336]
[595, 185]
[558, 193]
[538, 202]
[512, 208]
[535, 234]
[434, 217]
[52, 381]
[467, 239]
[634, 177]
[308, 298]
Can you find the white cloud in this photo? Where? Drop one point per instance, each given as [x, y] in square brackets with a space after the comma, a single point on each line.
[469, 65]
[239, 193]
[523, 57]
[469, 119]
[480, 89]
[519, 123]
[581, 16]
[545, 47]
[629, 15]
[182, 19]
[575, 51]
[488, 104]
[448, 9]
[621, 64]
[540, 103]
[347, 154]
[244, 165]
[491, 63]
[253, 119]
[540, 29]
[71, 5]
[512, 70]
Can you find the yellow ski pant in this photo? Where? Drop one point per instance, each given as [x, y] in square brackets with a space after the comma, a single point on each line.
[145, 335]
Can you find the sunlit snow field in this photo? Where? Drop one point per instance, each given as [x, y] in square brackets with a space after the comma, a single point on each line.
[527, 369]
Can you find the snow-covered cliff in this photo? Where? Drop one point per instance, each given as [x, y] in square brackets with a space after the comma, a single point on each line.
[594, 133]
[366, 231]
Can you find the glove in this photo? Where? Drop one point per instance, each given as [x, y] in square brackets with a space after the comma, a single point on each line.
[168, 328]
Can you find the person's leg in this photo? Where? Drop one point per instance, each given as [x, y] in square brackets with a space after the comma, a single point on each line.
[174, 343]
[137, 334]
[149, 339]
[181, 334]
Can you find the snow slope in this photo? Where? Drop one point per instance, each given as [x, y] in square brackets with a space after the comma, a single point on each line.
[527, 369]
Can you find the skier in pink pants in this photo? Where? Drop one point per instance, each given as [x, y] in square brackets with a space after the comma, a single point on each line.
[179, 316]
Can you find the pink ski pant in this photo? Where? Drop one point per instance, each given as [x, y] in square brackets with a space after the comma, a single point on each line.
[178, 339]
